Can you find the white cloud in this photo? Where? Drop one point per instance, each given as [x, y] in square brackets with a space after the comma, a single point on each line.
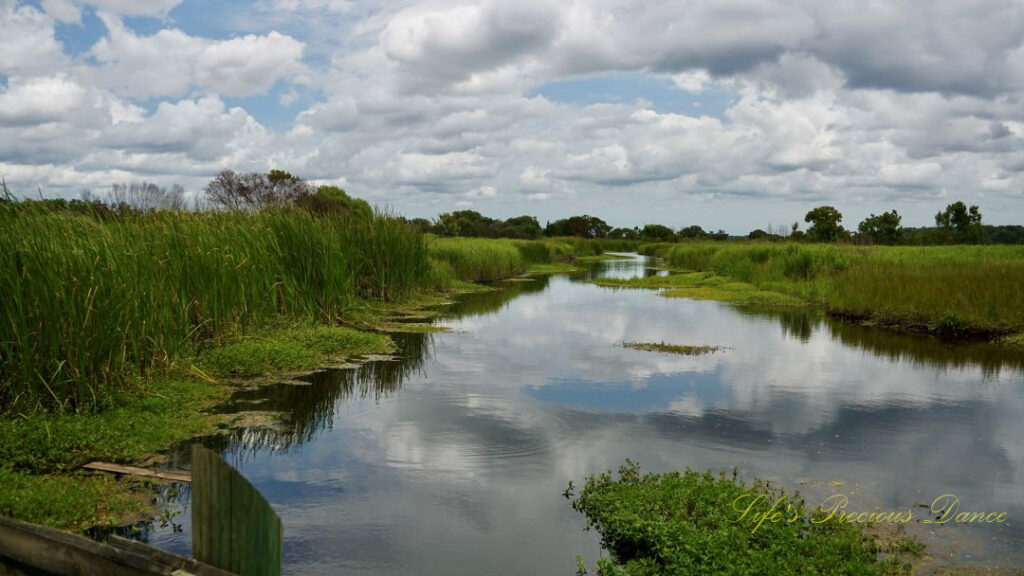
[28, 45]
[421, 104]
[172, 63]
[30, 101]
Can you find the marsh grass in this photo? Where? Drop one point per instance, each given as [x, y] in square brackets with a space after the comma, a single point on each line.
[683, 523]
[90, 303]
[493, 259]
[955, 290]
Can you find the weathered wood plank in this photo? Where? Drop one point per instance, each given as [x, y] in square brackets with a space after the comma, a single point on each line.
[177, 476]
[64, 553]
[233, 526]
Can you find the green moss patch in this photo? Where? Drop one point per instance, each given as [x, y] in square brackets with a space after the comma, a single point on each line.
[289, 349]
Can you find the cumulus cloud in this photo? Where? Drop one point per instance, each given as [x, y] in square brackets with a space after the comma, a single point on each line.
[29, 45]
[422, 104]
[173, 63]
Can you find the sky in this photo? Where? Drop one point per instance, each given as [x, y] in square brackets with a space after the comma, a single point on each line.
[732, 114]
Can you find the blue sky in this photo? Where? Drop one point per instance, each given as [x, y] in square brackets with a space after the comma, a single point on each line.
[728, 114]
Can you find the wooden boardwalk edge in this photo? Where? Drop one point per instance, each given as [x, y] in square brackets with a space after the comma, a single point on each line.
[177, 476]
[63, 553]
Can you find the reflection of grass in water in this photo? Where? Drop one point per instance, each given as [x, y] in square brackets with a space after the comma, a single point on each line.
[672, 348]
[690, 523]
[704, 286]
[308, 410]
[914, 349]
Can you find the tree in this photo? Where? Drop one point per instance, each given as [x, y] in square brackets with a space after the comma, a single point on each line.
[693, 232]
[582, 226]
[520, 227]
[960, 224]
[333, 200]
[882, 229]
[825, 225]
[718, 236]
[758, 234]
[657, 233]
[466, 223]
[624, 233]
[253, 190]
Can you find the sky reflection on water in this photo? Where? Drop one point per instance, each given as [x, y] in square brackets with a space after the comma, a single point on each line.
[453, 460]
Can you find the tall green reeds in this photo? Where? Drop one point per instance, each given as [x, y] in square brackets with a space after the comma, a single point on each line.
[89, 303]
[937, 288]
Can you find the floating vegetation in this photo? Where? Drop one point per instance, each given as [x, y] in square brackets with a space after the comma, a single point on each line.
[673, 348]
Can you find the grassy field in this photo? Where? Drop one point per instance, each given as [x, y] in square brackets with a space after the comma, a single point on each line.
[691, 523]
[959, 291]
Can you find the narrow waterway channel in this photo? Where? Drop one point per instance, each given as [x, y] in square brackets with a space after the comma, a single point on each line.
[453, 459]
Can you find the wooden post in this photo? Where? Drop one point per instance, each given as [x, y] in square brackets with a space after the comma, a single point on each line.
[233, 526]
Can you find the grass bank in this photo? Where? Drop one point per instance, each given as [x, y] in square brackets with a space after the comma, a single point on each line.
[955, 291]
[690, 523]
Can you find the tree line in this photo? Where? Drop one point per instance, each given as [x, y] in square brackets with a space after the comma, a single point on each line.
[472, 223]
[956, 224]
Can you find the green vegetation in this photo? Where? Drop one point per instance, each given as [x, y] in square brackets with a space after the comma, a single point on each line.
[289, 349]
[682, 349]
[493, 259]
[90, 304]
[705, 286]
[962, 291]
[690, 523]
[40, 455]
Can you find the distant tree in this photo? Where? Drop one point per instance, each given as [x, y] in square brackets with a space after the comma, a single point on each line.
[719, 236]
[758, 234]
[421, 225]
[276, 176]
[960, 224]
[825, 225]
[1004, 234]
[146, 197]
[236, 191]
[624, 233]
[693, 232]
[466, 223]
[583, 226]
[333, 200]
[520, 227]
[882, 229]
[657, 233]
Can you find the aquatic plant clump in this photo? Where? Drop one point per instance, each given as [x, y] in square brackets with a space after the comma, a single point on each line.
[682, 349]
[683, 523]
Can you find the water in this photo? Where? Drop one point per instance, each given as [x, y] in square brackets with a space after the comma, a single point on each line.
[453, 459]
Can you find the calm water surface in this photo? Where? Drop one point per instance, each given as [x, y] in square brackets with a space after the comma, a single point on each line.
[453, 459]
